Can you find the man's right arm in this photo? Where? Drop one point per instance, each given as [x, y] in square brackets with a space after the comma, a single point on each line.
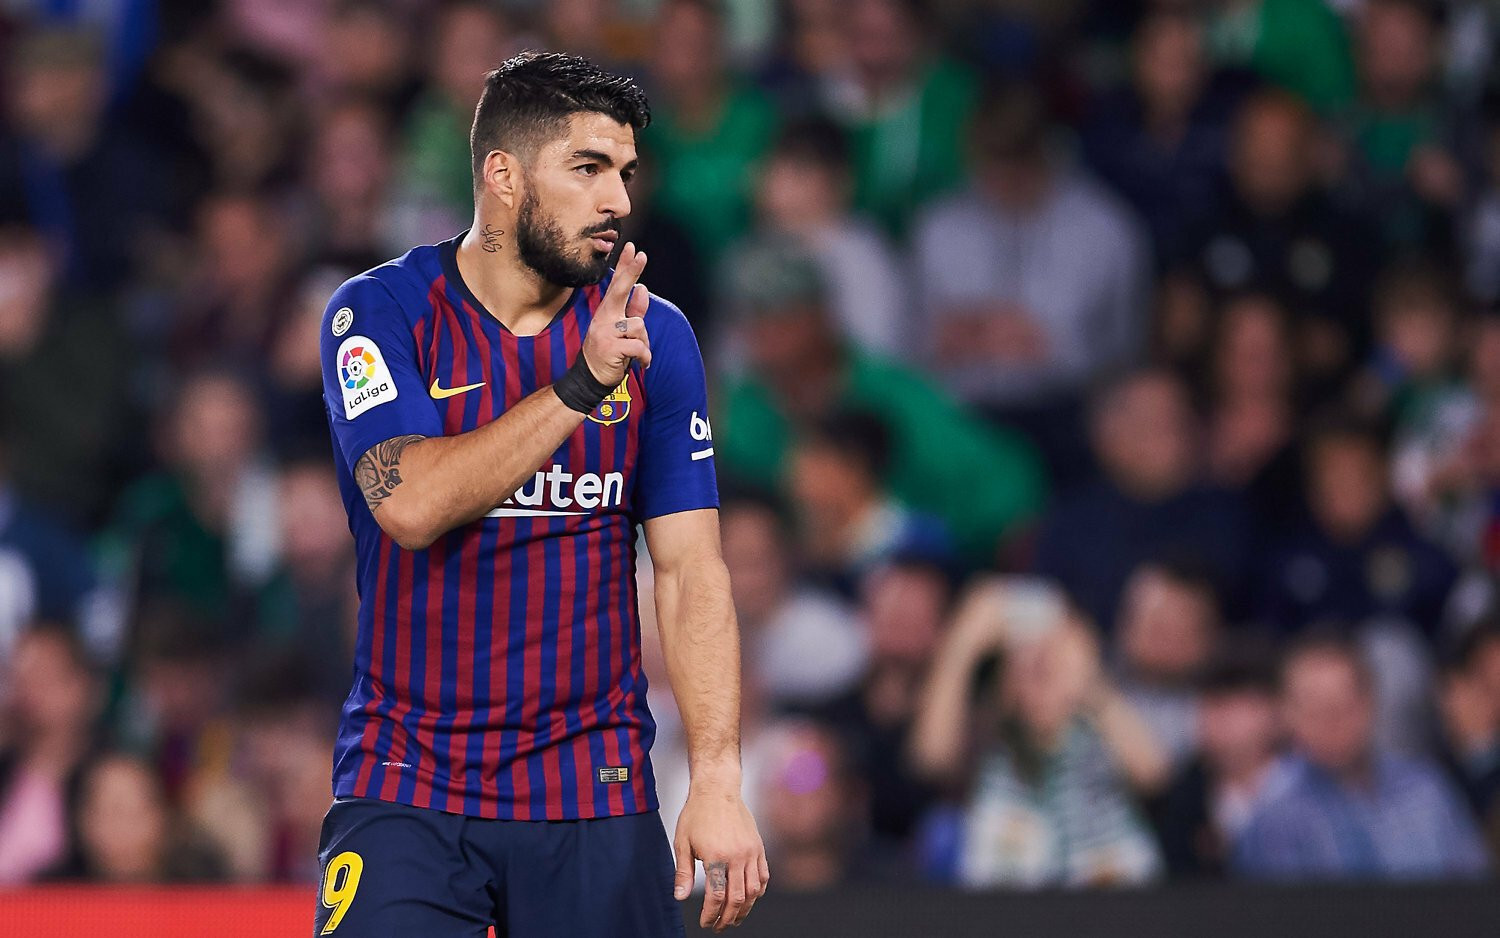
[420, 485]
[419, 488]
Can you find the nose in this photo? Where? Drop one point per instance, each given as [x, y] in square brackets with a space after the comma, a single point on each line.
[616, 199]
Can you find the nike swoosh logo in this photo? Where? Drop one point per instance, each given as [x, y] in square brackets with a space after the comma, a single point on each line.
[441, 393]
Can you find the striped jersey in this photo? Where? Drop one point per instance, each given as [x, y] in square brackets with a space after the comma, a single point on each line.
[497, 672]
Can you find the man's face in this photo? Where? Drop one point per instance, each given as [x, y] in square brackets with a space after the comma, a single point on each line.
[1328, 711]
[1144, 437]
[756, 555]
[1270, 161]
[1166, 627]
[573, 197]
[1237, 729]
[1348, 486]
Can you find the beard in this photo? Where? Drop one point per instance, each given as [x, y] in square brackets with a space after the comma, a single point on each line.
[541, 244]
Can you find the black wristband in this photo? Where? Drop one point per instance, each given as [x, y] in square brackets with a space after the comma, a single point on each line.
[579, 389]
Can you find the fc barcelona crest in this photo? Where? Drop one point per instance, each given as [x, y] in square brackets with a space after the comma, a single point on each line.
[614, 408]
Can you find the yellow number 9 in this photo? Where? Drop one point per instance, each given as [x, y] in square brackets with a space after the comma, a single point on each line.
[336, 895]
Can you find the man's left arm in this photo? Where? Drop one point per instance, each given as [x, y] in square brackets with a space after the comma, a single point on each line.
[700, 642]
[676, 497]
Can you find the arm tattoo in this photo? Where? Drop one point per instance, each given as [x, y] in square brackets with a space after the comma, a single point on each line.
[491, 236]
[377, 471]
[718, 876]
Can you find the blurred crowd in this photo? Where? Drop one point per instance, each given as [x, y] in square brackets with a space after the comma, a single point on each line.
[1106, 399]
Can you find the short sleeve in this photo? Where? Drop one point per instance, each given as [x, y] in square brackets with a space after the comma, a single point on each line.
[372, 385]
[675, 471]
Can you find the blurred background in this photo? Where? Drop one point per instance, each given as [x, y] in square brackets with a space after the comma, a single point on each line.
[1106, 397]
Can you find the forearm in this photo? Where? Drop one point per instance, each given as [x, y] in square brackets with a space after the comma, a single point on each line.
[448, 481]
[936, 742]
[1130, 740]
[701, 645]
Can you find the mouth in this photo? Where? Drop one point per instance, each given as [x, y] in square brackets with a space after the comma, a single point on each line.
[605, 241]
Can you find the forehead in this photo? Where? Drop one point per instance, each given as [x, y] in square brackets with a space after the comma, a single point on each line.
[592, 131]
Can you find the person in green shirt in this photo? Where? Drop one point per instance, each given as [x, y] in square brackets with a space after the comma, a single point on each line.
[906, 112]
[708, 130]
[1300, 45]
[982, 482]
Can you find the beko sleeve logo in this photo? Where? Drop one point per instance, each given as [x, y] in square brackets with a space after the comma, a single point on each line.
[363, 376]
[702, 432]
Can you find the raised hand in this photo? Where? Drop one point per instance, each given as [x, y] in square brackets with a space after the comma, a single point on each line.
[617, 335]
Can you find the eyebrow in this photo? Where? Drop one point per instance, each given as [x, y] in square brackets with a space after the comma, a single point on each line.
[599, 156]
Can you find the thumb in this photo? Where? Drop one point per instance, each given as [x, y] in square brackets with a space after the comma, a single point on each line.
[684, 881]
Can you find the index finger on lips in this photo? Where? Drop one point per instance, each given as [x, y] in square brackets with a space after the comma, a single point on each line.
[627, 272]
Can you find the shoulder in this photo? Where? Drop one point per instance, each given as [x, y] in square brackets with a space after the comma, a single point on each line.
[382, 296]
[1087, 201]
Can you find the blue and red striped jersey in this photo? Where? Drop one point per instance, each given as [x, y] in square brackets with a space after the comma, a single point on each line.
[497, 673]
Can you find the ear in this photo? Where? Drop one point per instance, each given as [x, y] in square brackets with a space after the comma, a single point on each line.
[502, 177]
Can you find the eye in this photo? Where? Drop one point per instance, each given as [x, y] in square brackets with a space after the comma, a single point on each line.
[628, 175]
[588, 169]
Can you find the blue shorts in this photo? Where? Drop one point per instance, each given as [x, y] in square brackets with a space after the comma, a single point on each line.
[398, 871]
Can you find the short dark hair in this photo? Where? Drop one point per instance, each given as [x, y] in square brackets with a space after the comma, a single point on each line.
[857, 435]
[1332, 641]
[814, 140]
[534, 93]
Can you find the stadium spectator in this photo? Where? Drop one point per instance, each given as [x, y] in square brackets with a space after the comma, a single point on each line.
[68, 430]
[46, 572]
[128, 833]
[242, 285]
[1470, 706]
[434, 182]
[175, 705]
[904, 605]
[307, 608]
[203, 530]
[1017, 319]
[1357, 556]
[349, 170]
[1055, 753]
[1160, 140]
[1399, 128]
[51, 699]
[1299, 46]
[1204, 811]
[1480, 219]
[708, 131]
[905, 106]
[1167, 630]
[803, 645]
[1148, 504]
[1253, 398]
[57, 95]
[804, 195]
[1342, 807]
[983, 483]
[816, 804]
[1277, 232]
[849, 524]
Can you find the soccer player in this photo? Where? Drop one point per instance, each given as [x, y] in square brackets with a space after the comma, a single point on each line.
[505, 409]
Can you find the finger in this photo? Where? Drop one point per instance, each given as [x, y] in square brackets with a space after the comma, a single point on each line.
[636, 349]
[683, 884]
[765, 872]
[716, 893]
[733, 908]
[627, 272]
[632, 327]
[752, 891]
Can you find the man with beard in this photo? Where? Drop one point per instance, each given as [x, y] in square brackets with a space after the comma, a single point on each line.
[498, 435]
